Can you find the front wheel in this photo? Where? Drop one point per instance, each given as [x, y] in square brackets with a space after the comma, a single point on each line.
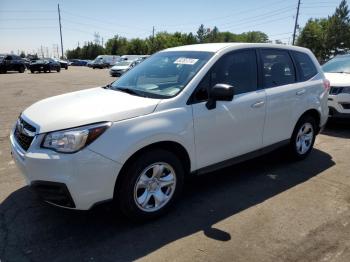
[58, 70]
[150, 185]
[303, 137]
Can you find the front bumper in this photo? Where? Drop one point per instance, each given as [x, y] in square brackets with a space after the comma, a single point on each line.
[339, 105]
[88, 177]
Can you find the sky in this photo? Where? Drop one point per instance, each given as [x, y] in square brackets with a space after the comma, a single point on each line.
[30, 25]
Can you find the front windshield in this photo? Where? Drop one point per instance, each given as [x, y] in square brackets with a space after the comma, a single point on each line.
[339, 64]
[123, 63]
[2, 57]
[164, 74]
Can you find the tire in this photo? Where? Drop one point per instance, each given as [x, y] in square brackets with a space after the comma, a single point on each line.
[58, 70]
[303, 137]
[66, 67]
[32, 71]
[139, 189]
[21, 69]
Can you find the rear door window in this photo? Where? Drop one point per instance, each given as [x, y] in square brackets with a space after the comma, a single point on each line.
[278, 68]
[305, 65]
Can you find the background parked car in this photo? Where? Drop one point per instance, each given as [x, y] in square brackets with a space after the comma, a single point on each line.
[77, 62]
[107, 60]
[44, 65]
[141, 59]
[337, 71]
[89, 63]
[11, 63]
[99, 63]
[121, 67]
[63, 63]
[130, 57]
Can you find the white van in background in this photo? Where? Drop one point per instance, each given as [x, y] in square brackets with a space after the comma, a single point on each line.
[108, 59]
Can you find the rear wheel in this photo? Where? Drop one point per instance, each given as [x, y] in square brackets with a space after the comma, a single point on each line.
[58, 69]
[150, 185]
[32, 71]
[303, 137]
[21, 69]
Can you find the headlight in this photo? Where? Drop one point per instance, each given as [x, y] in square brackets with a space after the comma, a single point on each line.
[346, 90]
[73, 140]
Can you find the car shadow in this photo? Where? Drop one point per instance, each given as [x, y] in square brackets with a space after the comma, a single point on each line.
[11, 72]
[337, 128]
[33, 231]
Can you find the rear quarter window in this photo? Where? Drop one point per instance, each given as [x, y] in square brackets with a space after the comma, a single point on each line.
[305, 66]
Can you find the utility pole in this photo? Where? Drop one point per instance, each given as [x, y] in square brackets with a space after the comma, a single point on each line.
[296, 23]
[59, 21]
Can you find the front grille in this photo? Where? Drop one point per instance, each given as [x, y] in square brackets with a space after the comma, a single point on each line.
[23, 138]
[335, 90]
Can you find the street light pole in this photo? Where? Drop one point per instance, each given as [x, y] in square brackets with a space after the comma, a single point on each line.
[296, 23]
[59, 21]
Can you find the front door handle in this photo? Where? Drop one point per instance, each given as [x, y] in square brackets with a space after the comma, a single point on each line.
[300, 92]
[258, 104]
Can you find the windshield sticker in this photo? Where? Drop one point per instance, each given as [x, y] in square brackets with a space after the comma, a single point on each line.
[185, 61]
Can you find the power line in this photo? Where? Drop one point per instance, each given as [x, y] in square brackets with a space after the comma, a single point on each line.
[27, 27]
[263, 23]
[27, 19]
[260, 17]
[239, 12]
[109, 22]
[27, 11]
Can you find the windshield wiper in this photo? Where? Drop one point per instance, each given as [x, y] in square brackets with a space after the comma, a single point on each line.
[128, 90]
[107, 86]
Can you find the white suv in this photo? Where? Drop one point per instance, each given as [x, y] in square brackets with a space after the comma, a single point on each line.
[337, 71]
[185, 110]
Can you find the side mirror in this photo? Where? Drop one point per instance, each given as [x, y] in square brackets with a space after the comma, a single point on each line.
[219, 92]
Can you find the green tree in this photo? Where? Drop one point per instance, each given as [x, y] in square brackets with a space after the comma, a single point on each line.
[255, 37]
[313, 36]
[338, 29]
[201, 33]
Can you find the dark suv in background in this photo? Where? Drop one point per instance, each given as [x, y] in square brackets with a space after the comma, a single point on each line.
[11, 63]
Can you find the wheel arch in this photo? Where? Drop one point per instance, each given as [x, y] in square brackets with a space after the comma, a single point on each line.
[174, 147]
[313, 113]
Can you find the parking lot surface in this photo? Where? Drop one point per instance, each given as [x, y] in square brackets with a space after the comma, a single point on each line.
[266, 209]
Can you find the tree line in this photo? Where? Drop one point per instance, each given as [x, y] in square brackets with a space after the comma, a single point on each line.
[329, 36]
[119, 45]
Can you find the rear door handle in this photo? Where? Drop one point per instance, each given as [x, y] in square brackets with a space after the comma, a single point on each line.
[258, 104]
[300, 92]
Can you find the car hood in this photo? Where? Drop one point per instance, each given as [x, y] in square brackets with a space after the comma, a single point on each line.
[119, 67]
[338, 79]
[86, 107]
